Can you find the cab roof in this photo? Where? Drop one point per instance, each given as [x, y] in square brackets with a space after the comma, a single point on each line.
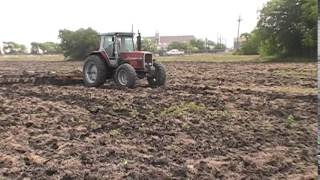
[130, 34]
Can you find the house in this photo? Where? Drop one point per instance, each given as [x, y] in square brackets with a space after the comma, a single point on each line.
[164, 41]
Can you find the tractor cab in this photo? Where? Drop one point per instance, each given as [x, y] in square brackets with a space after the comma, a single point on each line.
[119, 47]
[116, 43]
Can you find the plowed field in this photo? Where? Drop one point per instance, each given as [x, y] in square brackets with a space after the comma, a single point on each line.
[212, 120]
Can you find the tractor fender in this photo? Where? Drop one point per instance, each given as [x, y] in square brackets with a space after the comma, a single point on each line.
[103, 55]
[121, 61]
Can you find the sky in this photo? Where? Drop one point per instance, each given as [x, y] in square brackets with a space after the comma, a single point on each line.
[40, 20]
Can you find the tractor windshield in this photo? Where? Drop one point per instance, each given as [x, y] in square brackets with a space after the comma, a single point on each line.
[125, 44]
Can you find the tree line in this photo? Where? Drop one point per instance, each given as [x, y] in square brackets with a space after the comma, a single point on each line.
[286, 28]
[77, 44]
[73, 44]
[14, 48]
[193, 46]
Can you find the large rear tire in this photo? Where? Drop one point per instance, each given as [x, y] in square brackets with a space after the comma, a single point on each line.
[94, 71]
[125, 76]
[159, 76]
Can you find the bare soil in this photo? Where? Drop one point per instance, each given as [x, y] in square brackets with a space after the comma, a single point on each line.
[211, 121]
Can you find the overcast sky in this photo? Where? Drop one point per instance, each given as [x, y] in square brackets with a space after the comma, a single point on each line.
[40, 20]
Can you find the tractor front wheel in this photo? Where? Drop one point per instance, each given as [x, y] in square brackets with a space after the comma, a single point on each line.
[94, 71]
[125, 76]
[158, 76]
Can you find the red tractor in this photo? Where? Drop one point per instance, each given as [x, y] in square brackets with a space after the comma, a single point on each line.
[117, 58]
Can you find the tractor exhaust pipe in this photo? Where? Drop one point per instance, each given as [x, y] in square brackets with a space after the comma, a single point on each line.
[139, 41]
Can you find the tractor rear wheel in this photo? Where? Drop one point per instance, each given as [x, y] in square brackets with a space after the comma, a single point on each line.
[158, 77]
[125, 76]
[94, 71]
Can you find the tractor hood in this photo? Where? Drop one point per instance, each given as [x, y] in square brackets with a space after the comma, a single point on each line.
[133, 55]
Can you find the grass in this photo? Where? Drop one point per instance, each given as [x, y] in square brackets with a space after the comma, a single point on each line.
[291, 120]
[210, 58]
[188, 58]
[57, 57]
[294, 90]
[182, 109]
[275, 59]
[282, 89]
[296, 74]
[114, 132]
[204, 57]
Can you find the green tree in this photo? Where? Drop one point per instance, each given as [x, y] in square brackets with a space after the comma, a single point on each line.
[149, 45]
[194, 46]
[247, 36]
[198, 43]
[35, 49]
[178, 45]
[77, 44]
[46, 48]
[14, 48]
[251, 45]
[210, 45]
[309, 15]
[288, 28]
[220, 46]
[50, 48]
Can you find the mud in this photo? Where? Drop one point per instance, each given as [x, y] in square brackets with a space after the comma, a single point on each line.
[211, 121]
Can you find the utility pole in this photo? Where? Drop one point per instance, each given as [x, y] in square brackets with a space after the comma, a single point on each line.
[238, 37]
[132, 28]
[225, 42]
[206, 45]
[218, 41]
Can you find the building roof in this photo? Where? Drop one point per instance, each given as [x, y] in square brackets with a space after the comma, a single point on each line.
[170, 39]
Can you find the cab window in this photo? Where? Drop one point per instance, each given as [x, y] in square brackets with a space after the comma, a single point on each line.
[108, 45]
[126, 44]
